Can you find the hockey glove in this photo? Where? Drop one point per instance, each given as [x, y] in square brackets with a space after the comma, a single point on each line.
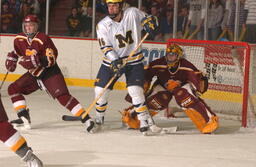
[11, 61]
[30, 62]
[149, 24]
[171, 84]
[116, 66]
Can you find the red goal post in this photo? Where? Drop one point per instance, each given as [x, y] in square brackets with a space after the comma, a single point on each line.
[231, 70]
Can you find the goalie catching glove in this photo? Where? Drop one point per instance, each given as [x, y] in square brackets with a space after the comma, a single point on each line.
[149, 24]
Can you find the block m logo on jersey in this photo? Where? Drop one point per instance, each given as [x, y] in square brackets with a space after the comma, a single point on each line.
[124, 40]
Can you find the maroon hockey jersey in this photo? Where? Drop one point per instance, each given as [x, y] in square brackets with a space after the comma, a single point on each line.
[185, 73]
[42, 46]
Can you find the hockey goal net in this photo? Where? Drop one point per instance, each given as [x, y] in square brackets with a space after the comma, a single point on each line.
[231, 70]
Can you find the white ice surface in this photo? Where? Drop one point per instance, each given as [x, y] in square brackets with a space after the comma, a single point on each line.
[65, 144]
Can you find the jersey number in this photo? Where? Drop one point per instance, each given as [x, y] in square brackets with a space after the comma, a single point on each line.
[124, 40]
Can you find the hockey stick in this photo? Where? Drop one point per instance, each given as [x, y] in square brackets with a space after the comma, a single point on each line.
[5, 76]
[88, 110]
[70, 118]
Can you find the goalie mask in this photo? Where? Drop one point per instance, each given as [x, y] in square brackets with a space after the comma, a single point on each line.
[173, 54]
[112, 11]
[30, 25]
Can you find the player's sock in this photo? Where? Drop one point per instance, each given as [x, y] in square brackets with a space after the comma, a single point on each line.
[99, 119]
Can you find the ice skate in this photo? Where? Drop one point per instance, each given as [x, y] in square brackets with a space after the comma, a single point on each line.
[89, 124]
[32, 160]
[24, 121]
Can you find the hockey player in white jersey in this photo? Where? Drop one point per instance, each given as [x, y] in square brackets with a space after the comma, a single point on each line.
[119, 33]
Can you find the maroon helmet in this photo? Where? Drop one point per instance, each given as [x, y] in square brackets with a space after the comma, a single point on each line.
[33, 19]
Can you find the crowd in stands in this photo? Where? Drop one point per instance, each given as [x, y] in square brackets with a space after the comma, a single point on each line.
[190, 19]
[13, 12]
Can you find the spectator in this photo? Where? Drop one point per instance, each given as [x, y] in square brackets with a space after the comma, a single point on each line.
[215, 17]
[228, 24]
[14, 5]
[154, 11]
[194, 27]
[74, 23]
[86, 30]
[166, 28]
[182, 20]
[250, 6]
[8, 19]
[84, 4]
[24, 11]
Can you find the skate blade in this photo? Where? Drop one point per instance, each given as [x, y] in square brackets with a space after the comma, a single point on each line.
[155, 129]
[169, 130]
[22, 127]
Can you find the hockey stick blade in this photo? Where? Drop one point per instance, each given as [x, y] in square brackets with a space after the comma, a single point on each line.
[70, 118]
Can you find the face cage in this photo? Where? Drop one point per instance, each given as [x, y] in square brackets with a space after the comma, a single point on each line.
[172, 63]
[30, 35]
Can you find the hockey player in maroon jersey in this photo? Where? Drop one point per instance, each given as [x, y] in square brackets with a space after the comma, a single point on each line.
[12, 139]
[37, 54]
[184, 81]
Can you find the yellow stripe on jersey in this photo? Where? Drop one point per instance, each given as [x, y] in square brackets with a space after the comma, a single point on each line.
[135, 58]
[20, 37]
[38, 40]
[105, 50]
[25, 38]
[130, 60]
[141, 109]
[160, 66]
[186, 68]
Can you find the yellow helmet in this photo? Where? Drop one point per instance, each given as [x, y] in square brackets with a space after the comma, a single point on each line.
[114, 1]
[173, 49]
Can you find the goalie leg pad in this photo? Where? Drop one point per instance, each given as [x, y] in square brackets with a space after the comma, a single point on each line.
[159, 101]
[129, 117]
[197, 110]
[196, 118]
[186, 100]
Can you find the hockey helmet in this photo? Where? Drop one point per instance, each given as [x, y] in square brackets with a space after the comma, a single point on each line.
[173, 54]
[120, 2]
[30, 19]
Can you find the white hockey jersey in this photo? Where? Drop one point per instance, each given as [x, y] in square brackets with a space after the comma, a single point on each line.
[119, 39]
